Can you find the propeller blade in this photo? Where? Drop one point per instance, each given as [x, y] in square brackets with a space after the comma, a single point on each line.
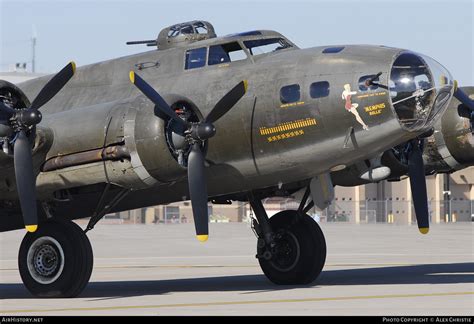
[54, 85]
[198, 192]
[162, 109]
[25, 181]
[464, 98]
[416, 172]
[227, 102]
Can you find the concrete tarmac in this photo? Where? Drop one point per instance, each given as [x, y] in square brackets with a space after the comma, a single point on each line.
[163, 270]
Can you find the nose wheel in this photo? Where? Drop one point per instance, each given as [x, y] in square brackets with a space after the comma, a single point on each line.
[291, 248]
[298, 253]
[56, 260]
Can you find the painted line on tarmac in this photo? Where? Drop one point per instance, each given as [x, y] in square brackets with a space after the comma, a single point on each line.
[185, 266]
[251, 256]
[163, 257]
[246, 266]
[226, 303]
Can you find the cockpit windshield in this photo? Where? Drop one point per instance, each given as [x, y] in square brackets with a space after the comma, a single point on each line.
[263, 46]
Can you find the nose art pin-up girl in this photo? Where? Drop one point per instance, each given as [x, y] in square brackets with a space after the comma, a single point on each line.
[352, 107]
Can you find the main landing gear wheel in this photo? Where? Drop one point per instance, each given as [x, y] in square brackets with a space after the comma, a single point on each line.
[299, 250]
[56, 260]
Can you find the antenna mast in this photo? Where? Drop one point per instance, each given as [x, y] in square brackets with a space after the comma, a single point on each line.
[33, 50]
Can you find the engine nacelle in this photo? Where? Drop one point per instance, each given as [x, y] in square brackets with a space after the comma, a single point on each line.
[162, 152]
[451, 147]
[11, 94]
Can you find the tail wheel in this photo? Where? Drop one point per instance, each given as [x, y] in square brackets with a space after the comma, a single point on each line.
[299, 253]
[56, 260]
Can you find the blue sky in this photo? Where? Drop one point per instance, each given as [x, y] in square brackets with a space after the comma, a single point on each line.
[91, 31]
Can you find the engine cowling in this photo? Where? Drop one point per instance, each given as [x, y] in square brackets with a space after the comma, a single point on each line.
[162, 152]
[451, 147]
[11, 94]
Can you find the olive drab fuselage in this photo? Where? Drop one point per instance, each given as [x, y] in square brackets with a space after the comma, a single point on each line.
[306, 112]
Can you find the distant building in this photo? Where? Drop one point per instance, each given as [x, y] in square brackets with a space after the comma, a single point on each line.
[391, 201]
[384, 202]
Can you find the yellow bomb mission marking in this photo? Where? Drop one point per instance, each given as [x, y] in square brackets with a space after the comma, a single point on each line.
[285, 135]
[375, 109]
[288, 129]
[288, 126]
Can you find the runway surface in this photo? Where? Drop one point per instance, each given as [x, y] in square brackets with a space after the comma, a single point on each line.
[164, 270]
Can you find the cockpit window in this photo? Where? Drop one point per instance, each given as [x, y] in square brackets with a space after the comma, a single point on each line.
[263, 46]
[225, 53]
[195, 58]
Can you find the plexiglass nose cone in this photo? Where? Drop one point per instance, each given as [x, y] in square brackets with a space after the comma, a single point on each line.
[420, 90]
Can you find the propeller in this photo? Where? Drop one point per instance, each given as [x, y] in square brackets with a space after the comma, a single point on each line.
[195, 134]
[416, 172]
[413, 153]
[21, 123]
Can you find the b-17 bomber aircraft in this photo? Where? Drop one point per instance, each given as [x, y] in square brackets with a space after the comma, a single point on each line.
[240, 117]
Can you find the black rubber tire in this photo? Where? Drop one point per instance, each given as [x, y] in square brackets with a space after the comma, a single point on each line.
[78, 260]
[312, 250]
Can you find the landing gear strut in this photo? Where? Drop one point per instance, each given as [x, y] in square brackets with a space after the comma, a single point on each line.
[56, 260]
[291, 248]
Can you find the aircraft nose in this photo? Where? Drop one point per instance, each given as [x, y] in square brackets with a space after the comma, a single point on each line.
[420, 90]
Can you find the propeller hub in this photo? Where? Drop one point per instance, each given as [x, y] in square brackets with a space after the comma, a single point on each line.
[202, 131]
[29, 117]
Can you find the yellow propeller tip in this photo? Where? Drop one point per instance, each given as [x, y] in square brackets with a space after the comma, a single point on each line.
[31, 228]
[202, 238]
[246, 85]
[424, 230]
[73, 65]
[455, 85]
[132, 76]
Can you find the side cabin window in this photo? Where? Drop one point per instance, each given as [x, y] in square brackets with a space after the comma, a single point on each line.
[319, 89]
[195, 58]
[290, 93]
[225, 53]
[263, 46]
